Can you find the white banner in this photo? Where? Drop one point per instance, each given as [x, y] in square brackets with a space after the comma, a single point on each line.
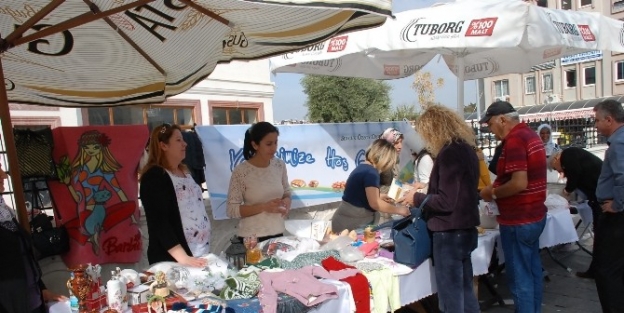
[320, 155]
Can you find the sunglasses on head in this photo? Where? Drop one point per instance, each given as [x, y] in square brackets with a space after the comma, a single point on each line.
[165, 127]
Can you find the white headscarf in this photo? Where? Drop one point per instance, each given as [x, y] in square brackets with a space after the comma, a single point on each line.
[549, 145]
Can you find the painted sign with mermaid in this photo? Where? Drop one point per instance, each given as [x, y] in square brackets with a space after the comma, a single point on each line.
[97, 191]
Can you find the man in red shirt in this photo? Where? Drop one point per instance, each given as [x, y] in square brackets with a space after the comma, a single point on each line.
[519, 191]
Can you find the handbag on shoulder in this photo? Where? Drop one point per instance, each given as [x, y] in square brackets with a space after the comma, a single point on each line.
[412, 239]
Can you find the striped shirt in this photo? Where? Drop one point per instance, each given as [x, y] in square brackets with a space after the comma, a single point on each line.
[523, 150]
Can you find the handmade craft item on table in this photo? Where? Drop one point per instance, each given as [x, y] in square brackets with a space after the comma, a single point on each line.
[160, 287]
[253, 254]
[369, 234]
[80, 285]
[156, 304]
[152, 305]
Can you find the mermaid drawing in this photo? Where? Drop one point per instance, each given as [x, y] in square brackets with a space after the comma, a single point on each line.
[92, 183]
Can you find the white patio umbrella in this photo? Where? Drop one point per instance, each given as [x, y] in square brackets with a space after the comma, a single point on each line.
[481, 37]
[81, 53]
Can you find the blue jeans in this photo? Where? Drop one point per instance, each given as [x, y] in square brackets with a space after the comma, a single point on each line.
[523, 265]
[453, 270]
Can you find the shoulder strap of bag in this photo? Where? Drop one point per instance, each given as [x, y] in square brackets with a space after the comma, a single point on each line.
[417, 212]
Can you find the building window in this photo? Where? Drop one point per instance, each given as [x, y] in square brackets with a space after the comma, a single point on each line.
[570, 76]
[529, 85]
[233, 116]
[589, 76]
[99, 116]
[566, 4]
[501, 89]
[151, 116]
[583, 3]
[618, 6]
[547, 82]
[542, 3]
[619, 71]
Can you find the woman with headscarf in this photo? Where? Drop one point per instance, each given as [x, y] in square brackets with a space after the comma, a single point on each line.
[545, 133]
[394, 137]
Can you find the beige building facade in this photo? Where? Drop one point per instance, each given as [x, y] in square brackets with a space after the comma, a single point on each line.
[586, 76]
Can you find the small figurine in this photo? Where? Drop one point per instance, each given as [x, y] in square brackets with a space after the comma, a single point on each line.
[160, 287]
[156, 304]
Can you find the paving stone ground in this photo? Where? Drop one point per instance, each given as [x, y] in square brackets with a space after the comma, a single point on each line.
[563, 291]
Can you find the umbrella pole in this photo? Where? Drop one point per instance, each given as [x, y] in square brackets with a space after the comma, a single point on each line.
[459, 61]
[16, 178]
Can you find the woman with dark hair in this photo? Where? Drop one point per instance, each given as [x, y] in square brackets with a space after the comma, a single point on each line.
[259, 192]
[177, 222]
[21, 288]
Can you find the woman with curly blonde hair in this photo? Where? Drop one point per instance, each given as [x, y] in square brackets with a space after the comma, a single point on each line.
[452, 210]
[440, 126]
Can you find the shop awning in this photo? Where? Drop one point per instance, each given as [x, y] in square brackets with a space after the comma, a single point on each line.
[558, 111]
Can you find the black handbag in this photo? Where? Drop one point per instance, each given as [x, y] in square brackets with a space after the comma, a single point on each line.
[34, 152]
[412, 239]
[47, 239]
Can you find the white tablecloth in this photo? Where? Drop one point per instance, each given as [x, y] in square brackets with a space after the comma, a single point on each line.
[344, 302]
[559, 229]
[418, 284]
[482, 255]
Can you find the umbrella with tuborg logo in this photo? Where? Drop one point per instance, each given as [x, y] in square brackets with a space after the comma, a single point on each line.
[477, 39]
[81, 53]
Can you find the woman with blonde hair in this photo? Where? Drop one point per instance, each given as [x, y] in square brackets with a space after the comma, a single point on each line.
[452, 210]
[177, 222]
[361, 198]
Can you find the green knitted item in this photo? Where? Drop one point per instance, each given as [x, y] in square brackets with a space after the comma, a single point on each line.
[268, 263]
[241, 286]
[309, 258]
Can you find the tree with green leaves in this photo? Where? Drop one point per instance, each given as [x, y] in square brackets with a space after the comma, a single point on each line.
[405, 111]
[470, 108]
[345, 99]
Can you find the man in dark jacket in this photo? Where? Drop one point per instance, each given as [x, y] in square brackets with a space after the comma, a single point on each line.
[581, 169]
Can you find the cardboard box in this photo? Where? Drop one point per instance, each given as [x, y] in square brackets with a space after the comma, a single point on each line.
[138, 294]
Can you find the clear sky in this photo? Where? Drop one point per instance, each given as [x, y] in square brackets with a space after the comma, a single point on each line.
[289, 97]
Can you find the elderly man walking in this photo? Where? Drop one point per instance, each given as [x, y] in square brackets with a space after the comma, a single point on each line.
[610, 193]
[519, 191]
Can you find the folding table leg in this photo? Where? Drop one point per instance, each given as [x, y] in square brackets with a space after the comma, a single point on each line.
[491, 289]
[557, 261]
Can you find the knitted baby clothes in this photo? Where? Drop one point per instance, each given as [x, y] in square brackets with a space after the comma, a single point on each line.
[241, 286]
[359, 284]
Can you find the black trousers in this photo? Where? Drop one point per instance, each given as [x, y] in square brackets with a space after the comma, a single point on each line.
[596, 213]
[609, 257]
